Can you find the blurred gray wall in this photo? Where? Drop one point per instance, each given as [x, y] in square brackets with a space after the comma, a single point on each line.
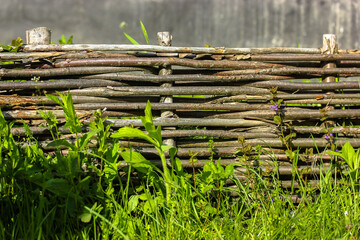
[230, 23]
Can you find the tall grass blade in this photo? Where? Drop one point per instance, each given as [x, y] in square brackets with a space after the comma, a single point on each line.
[144, 32]
[108, 222]
[133, 41]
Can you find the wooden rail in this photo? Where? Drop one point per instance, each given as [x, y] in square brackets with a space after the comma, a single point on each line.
[232, 88]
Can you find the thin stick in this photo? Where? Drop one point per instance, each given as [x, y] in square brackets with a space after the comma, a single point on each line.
[292, 114]
[60, 84]
[186, 77]
[308, 86]
[270, 142]
[140, 91]
[165, 49]
[58, 72]
[162, 61]
[295, 71]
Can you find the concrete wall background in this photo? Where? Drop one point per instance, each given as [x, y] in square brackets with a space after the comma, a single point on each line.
[230, 23]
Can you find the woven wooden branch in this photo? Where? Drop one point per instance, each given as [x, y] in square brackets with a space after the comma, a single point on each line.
[59, 84]
[186, 78]
[33, 56]
[137, 91]
[173, 106]
[60, 72]
[296, 71]
[298, 96]
[304, 57]
[307, 86]
[292, 114]
[159, 61]
[164, 49]
[270, 142]
[178, 122]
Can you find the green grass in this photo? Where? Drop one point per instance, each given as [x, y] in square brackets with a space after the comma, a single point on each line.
[81, 195]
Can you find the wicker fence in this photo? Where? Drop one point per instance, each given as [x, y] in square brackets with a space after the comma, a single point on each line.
[223, 97]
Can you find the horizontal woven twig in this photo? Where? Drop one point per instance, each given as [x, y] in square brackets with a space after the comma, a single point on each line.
[186, 78]
[292, 114]
[138, 91]
[162, 61]
[61, 72]
[165, 49]
[271, 142]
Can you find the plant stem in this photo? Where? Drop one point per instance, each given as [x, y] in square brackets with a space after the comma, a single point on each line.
[167, 176]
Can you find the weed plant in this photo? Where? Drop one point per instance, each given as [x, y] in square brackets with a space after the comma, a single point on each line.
[83, 193]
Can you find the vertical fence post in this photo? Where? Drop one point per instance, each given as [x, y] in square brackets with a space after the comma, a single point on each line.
[329, 47]
[38, 36]
[164, 39]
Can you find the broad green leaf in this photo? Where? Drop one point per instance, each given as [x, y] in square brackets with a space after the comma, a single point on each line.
[6, 47]
[133, 41]
[112, 153]
[348, 154]
[166, 147]
[137, 161]
[133, 202]
[127, 132]
[17, 43]
[85, 217]
[54, 98]
[133, 157]
[277, 119]
[172, 152]
[178, 166]
[58, 186]
[86, 138]
[149, 206]
[144, 32]
[61, 142]
[229, 170]
[148, 114]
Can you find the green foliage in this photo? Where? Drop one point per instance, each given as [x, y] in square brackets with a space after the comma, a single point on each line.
[14, 46]
[63, 40]
[43, 195]
[154, 137]
[145, 34]
[72, 121]
[352, 159]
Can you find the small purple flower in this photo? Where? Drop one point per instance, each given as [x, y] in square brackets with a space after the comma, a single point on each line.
[274, 107]
[328, 136]
[336, 150]
[272, 199]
